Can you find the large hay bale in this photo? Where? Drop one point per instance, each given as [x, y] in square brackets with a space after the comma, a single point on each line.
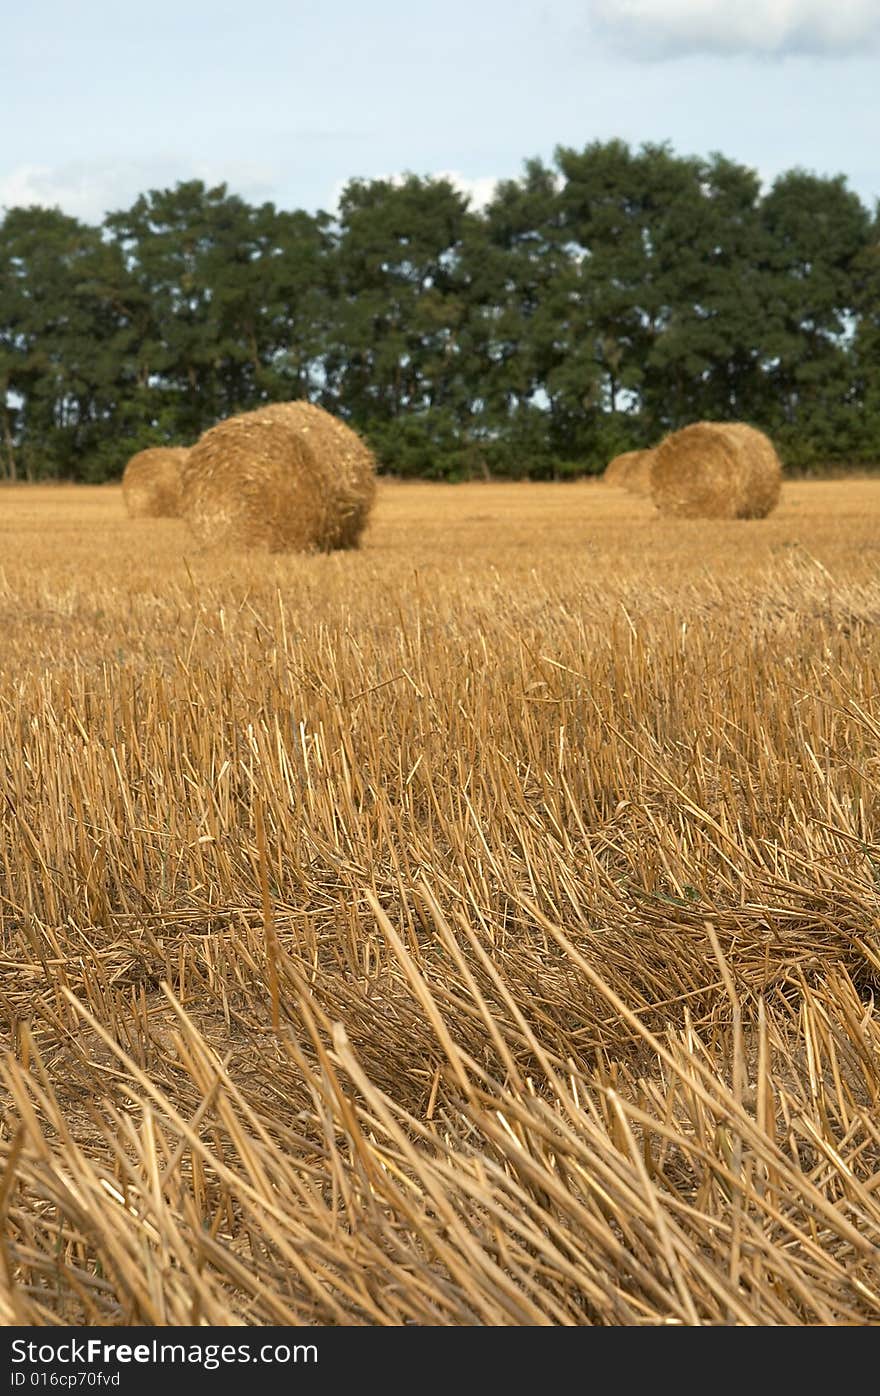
[764, 484]
[716, 470]
[348, 464]
[151, 482]
[285, 478]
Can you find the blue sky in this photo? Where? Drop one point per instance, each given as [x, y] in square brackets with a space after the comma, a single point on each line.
[287, 99]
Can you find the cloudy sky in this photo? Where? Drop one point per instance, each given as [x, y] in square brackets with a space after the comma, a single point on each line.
[286, 99]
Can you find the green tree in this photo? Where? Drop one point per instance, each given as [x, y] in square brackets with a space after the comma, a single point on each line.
[234, 301]
[865, 351]
[591, 307]
[394, 346]
[67, 343]
[817, 232]
[661, 301]
[515, 262]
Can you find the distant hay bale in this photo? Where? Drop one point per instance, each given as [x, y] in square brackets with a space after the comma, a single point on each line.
[617, 469]
[637, 477]
[630, 471]
[287, 477]
[716, 470]
[151, 482]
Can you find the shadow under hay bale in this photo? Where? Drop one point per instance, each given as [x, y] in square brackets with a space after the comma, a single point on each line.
[716, 470]
[287, 477]
[151, 482]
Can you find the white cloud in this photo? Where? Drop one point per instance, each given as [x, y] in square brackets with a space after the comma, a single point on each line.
[89, 191]
[38, 184]
[480, 190]
[769, 28]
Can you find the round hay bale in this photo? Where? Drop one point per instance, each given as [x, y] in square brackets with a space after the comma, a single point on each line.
[764, 484]
[637, 477]
[151, 482]
[716, 470]
[284, 478]
[347, 463]
[617, 469]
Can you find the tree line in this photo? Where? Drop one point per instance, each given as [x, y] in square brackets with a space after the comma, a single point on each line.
[595, 303]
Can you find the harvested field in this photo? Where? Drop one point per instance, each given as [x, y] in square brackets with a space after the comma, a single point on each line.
[480, 930]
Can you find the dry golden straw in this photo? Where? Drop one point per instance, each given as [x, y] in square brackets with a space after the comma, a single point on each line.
[285, 478]
[716, 470]
[151, 482]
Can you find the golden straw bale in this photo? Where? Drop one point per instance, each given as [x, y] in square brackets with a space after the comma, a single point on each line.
[253, 483]
[716, 470]
[285, 478]
[151, 482]
[765, 473]
[637, 477]
[617, 469]
[349, 467]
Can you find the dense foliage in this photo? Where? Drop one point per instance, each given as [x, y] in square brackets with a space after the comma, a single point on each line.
[589, 308]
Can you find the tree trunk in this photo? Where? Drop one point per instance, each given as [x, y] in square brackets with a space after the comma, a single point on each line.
[11, 471]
